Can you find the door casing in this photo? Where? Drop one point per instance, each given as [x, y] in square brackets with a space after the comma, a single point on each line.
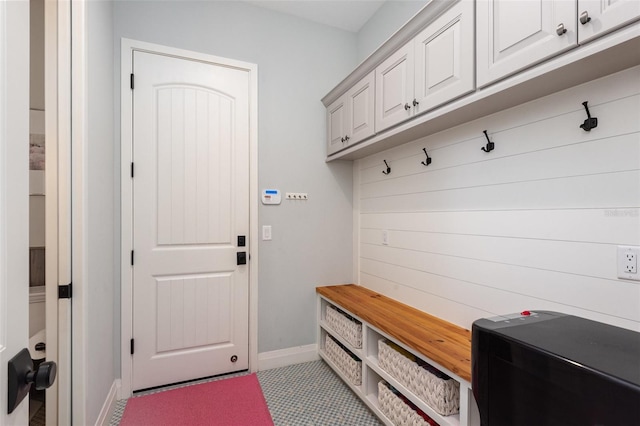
[126, 194]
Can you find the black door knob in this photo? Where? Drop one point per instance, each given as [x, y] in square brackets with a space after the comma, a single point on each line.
[44, 376]
[21, 376]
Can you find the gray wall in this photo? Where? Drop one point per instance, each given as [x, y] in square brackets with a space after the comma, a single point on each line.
[298, 63]
[100, 317]
[36, 57]
[386, 21]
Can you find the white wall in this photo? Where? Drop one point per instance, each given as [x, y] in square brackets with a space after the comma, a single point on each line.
[532, 225]
[100, 355]
[36, 54]
[298, 63]
[384, 23]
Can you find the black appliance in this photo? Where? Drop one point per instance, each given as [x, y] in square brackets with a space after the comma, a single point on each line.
[547, 368]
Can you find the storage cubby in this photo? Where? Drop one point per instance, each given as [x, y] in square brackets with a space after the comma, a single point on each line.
[388, 354]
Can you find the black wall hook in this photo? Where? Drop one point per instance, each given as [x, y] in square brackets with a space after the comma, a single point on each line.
[590, 122]
[388, 168]
[428, 160]
[490, 145]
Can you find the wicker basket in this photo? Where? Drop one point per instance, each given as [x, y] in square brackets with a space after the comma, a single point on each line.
[350, 366]
[348, 328]
[396, 410]
[440, 393]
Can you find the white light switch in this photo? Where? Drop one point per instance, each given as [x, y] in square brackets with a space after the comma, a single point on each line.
[266, 233]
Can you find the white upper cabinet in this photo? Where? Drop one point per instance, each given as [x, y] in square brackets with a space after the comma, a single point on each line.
[350, 118]
[512, 35]
[336, 125]
[434, 67]
[394, 88]
[444, 66]
[597, 17]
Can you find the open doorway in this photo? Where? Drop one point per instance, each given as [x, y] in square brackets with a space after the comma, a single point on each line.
[37, 210]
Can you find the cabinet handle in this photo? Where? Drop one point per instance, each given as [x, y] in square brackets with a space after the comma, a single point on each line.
[584, 17]
[561, 29]
[346, 138]
[415, 102]
[407, 106]
[342, 140]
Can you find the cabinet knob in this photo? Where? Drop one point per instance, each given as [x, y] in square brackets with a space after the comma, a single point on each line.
[342, 140]
[415, 102]
[584, 17]
[346, 138]
[560, 29]
[407, 106]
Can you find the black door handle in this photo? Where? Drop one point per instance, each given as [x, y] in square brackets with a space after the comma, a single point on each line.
[241, 258]
[22, 375]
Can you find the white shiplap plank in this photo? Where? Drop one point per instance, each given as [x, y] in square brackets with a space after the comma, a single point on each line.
[561, 256]
[591, 191]
[595, 294]
[543, 138]
[607, 226]
[464, 315]
[582, 159]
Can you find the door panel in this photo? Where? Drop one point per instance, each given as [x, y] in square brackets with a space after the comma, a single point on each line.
[513, 35]
[444, 58]
[394, 88]
[606, 16]
[190, 190]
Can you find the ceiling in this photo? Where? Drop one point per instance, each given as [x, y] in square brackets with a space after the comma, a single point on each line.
[349, 15]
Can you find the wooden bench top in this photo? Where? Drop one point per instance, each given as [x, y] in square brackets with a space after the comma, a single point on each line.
[447, 344]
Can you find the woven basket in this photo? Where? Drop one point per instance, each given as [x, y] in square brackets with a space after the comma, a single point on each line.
[351, 368]
[441, 394]
[348, 328]
[396, 410]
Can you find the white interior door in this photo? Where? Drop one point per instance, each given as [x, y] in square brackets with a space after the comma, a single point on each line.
[190, 205]
[14, 201]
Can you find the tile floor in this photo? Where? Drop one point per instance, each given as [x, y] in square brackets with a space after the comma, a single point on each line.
[308, 394]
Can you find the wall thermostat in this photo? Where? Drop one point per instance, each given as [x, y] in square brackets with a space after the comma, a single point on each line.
[271, 196]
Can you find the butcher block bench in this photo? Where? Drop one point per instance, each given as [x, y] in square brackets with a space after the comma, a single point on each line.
[388, 352]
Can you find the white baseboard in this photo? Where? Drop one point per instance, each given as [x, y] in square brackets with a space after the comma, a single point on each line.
[109, 404]
[288, 356]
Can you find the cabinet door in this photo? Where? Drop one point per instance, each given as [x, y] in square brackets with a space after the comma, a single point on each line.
[336, 125]
[444, 58]
[512, 35]
[394, 88]
[360, 110]
[605, 16]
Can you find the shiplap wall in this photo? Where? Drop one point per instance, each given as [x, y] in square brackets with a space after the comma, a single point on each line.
[532, 225]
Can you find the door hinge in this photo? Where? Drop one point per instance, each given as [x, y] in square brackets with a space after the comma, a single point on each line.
[64, 291]
[131, 169]
[131, 346]
[131, 81]
[131, 257]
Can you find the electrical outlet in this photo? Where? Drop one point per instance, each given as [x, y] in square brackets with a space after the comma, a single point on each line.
[628, 262]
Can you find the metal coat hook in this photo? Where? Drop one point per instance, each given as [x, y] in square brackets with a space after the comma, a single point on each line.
[428, 160]
[388, 168]
[490, 145]
[590, 122]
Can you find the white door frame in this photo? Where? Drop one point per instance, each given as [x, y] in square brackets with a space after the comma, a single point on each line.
[126, 193]
[58, 203]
